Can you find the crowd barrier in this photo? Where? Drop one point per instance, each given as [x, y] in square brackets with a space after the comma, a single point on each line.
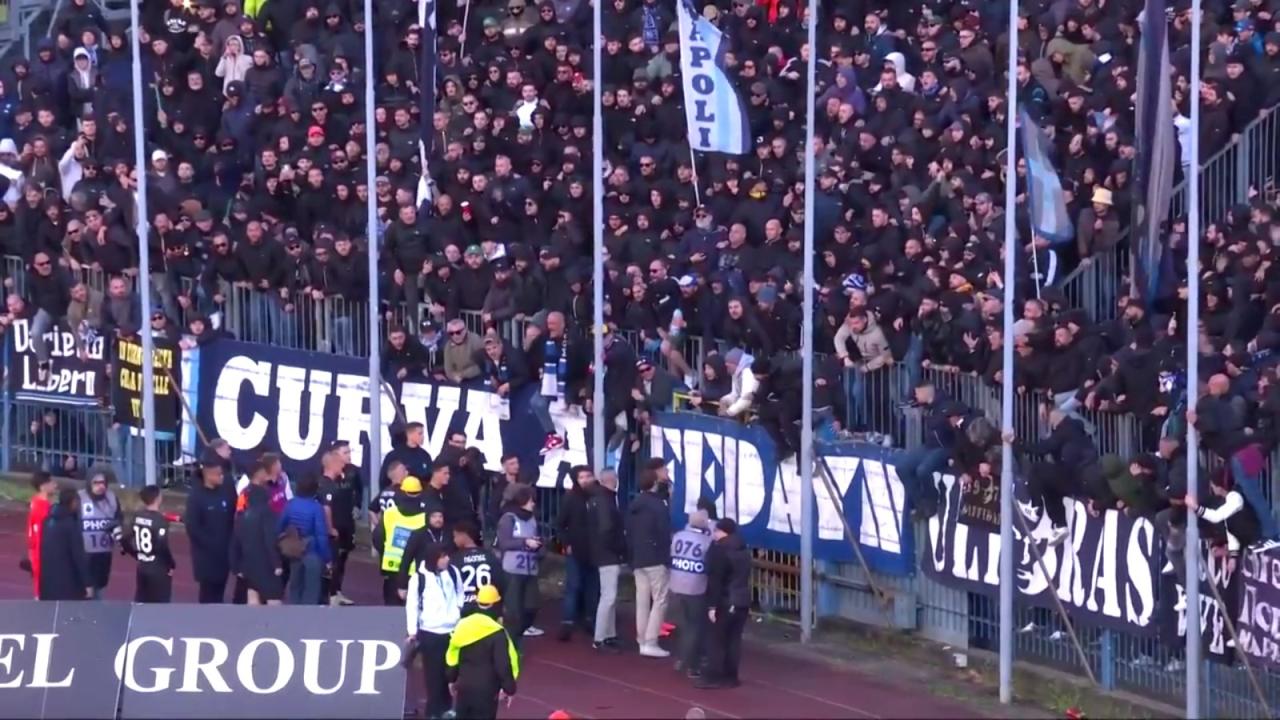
[138, 662]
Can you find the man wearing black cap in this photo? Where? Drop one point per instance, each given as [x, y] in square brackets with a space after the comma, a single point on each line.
[729, 604]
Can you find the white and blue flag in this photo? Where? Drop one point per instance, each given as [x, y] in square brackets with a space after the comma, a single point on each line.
[716, 117]
[1048, 206]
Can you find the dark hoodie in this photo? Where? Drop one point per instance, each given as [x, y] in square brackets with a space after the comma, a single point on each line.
[254, 552]
[728, 574]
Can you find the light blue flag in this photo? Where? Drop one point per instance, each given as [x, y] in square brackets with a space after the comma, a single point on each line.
[1048, 206]
[716, 117]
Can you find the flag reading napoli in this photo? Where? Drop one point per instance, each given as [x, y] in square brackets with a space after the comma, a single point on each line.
[716, 118]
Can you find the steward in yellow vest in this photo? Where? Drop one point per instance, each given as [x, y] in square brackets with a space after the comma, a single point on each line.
[481, 663]
[392, 534]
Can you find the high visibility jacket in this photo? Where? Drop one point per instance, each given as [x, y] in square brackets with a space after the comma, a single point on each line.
[481, 657]
[396, 529]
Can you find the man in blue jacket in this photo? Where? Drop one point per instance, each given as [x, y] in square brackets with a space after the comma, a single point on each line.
[916, 467]
[210, 515]
[305, 515]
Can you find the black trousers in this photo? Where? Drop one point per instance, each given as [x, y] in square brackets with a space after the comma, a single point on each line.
[432, 648]
[153, 588]
[211, 593]
[240, 592]
[390, 592]
[1050, 483]
[689, 612]
[476, 704]
[342, 546]
[724, 649]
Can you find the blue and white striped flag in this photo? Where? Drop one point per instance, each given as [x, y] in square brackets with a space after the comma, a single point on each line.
[1157, 153]
[1048, 206]
[716, 117]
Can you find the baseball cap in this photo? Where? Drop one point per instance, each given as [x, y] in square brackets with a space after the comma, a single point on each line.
[315, 130]
[159, 155]
[474, 250]
[687, 281]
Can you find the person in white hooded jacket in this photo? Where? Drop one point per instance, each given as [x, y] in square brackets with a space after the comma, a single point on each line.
[742, 392]
[9, 169]
[433, 607]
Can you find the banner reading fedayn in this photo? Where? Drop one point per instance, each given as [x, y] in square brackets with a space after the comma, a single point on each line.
[736, 466]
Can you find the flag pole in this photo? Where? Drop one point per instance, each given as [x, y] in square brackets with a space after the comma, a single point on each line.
[597, 258]
[371, 231]
[808, 522]
[144, 256]
[1192, 544]
[1009, 277]
[693, 165]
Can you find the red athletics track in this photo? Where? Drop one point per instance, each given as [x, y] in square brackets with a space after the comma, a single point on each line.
[574, 678]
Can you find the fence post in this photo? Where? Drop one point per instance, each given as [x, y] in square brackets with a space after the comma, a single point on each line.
[6, 423]
[1107, 676]
[1243, 160]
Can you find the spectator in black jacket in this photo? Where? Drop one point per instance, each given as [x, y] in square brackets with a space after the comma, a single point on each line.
[211, 510]
[411, 454]
[64, 567]
[573, 530]
[49, 289]
[1073, 466]
[503, 367]
[728, 603]
[649, 540]
[403, 358]
[608, 551]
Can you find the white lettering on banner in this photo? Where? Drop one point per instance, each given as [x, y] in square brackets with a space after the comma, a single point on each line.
[300, 430]
[40, 663]
[376, 656]
[311, 667]
[283, 665]
[293, 382]
[61, 343]
[127, 655]
[193, 667]
[731, 471]
[1100, 569]
[226, 401]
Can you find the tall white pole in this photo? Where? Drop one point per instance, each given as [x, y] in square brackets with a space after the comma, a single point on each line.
[371, 230]
[807, 519]
[144, 257]
[1011, 251]
[597, 244]
[1193, 372]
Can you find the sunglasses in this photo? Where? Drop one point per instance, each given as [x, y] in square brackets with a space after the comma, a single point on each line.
[456, 333]
[219, 246]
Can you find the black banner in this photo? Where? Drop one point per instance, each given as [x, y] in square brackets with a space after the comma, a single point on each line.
[109, 660]
[72, 380]
[1104, 572]
[56, 658]
[1259, 623]
[128, 391]
[1213, 627]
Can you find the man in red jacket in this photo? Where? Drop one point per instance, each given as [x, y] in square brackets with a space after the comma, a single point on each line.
[45, 487]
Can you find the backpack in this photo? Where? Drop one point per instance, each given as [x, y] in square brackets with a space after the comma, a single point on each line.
[291, 543]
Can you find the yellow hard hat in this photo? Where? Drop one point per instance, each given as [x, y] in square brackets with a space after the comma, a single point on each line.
[488, 595]
[411, 485]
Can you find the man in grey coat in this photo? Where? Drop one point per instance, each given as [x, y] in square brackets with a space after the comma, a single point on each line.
[688, 588]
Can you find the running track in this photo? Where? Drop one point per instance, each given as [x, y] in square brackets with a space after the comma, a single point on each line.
[574, 678]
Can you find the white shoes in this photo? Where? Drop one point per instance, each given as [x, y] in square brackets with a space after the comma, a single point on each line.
[532, 631]
[653, 651]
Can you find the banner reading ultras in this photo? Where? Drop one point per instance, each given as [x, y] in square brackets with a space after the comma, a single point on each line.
[1104, 572]
[113, 660]
[736, 466]
[128, 388]
[296, 403]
